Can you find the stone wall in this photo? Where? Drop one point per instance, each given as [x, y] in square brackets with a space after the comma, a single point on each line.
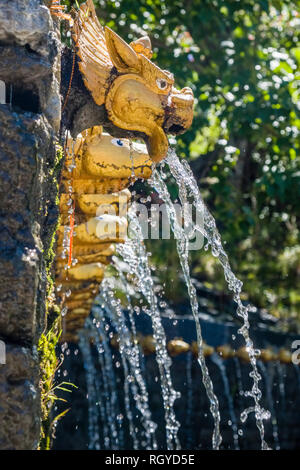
[29, 126]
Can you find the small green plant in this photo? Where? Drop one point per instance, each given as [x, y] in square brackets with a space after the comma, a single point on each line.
[49, 364]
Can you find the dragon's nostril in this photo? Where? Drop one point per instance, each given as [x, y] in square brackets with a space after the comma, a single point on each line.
[176, 129]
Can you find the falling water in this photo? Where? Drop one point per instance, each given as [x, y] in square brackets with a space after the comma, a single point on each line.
[101, 397]
[97, 332]
[2, 92]
[240, 388]
[116, 418]
[93, 426]
[182, 242]
[130, 356]
[221, 366]
[134, 254]
[189, 191]
[269, 395]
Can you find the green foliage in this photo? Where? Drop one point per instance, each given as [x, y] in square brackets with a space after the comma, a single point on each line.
[242, 61]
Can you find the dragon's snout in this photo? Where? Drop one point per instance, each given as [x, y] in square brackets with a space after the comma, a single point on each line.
[179, 114]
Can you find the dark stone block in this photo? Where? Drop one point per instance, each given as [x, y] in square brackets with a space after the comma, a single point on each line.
[25, 152]
[19, 399]
[29, 126]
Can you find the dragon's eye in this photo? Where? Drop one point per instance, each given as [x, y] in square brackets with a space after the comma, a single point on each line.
[161, 83]
[117, 142]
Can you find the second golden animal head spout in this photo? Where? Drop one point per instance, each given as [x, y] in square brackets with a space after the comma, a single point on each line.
[138, 96]
[104, 164]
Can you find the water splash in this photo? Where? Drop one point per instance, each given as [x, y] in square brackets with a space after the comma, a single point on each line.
[189, 192]
[134, 254]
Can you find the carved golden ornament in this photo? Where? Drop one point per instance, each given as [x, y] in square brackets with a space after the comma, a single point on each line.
[137, 95]
[104, 164]
[105, 249]
[148, 344]
[243, 354]
[285, 356]
[95, 64]
[142, 46]
[84, 272]
[82, 295]
[267, 355]
[177, 346]
[95, 204]
[147, 117]
[225, 351]
[95, 163]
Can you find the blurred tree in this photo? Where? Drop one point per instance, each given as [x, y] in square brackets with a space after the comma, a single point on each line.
[241, 58]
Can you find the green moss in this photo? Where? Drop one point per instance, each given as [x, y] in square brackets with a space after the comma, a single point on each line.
[52, 332]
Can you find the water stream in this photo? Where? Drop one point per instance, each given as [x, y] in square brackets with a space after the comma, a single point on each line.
[96, 332]
[91, 375]
[133, 252]
[189, 194]
[134, 384]
[268, 388]
[108, 316]
[182, 243]
[222, 368]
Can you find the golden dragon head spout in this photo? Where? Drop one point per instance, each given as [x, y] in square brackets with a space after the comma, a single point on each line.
[138, 96]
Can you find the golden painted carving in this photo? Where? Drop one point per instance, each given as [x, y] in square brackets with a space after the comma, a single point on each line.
[148, 344]
[104, 164]
[285, 356]
[243, 354]
[137, 95]
[177, 346]
[225, 351]
[142, 46]
[267, 355]
[100, 219]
